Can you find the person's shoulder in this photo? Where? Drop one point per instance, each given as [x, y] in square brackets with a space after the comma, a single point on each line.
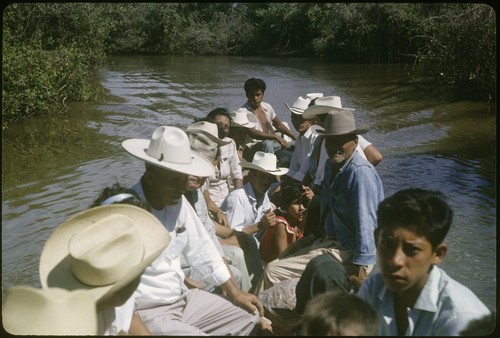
[458, 294]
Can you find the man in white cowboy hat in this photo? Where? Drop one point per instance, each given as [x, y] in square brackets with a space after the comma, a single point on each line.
[350, 195]
[299, 163]
[163, 302]
[263, 137]
[103, 251]
[249, 209]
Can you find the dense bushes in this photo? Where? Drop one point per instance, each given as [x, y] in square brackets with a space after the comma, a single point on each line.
[51, 50]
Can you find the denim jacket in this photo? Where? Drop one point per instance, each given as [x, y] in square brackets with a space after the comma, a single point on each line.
[349, 204]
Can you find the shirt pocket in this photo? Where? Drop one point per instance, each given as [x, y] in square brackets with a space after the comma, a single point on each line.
[178, 243]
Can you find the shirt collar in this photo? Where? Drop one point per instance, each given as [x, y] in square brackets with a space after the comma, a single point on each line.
[429, 296]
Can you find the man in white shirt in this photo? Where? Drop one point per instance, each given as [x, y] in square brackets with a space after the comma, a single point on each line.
[163, 301]
[263, 137]
[299, 164]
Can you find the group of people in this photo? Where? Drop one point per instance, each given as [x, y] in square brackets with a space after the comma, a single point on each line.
[217, 229]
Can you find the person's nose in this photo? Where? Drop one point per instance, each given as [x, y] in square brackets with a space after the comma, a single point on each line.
[398, 257]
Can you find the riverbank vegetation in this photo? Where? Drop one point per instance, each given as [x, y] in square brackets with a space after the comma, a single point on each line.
[52, 51]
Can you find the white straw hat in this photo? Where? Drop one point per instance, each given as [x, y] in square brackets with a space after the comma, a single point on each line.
[30, 311]
[299, 105]
[102, 249]
[243, 118]
[169, 148]
[323, 105]
[265, 162]
[207, 128]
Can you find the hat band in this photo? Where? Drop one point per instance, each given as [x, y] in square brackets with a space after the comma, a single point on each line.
[116, 198]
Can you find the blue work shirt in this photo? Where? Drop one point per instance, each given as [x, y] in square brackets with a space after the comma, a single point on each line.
[349, 203]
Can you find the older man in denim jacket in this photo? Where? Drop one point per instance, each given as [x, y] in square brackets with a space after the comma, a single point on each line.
[350, 196]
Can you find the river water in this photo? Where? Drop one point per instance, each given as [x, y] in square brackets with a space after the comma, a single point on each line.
[426, 141]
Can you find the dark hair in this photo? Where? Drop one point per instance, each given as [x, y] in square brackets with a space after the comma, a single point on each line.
[116, 189]
[216, 112]
[425, 211]
[333, 313]
[254, 84]
[291, 191]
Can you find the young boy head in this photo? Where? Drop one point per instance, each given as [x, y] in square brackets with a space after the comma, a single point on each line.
[336, 313]
[412, 225]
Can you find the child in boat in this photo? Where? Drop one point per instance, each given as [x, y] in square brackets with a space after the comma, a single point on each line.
[288, 228]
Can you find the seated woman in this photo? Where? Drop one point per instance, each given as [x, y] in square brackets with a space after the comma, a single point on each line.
[288, 228]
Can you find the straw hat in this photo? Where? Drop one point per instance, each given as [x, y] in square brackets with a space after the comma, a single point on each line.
[102, 249]
[323, 105]
[338, 123]
[54, 311]
[207, 128]
[242, 118]
[265, 162]
[169, 148]
[299, 105]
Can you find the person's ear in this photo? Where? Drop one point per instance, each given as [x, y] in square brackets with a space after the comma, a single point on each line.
[440, 253]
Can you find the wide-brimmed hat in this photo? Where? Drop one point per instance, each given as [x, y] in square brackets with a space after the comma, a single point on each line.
[299, 105]
[338, 123]
[169, 148]
[265, 162]
[323, 105]
[102, 249]
[53, 311]
[242, 118]
[209, 129]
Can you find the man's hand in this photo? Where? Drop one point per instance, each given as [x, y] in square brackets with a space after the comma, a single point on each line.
[222, 219]
[192, 284]
[267, 220]
[282, 142]
[357, 274]
[249, 302]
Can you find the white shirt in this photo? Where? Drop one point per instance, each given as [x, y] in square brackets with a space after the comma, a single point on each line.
[323, 157]
[299, 164]
[229, 168]
[270, 115]
[241, 207]
[163, 280]
[444, 307]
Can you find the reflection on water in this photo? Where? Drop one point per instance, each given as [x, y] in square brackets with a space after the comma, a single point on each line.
[426, 142]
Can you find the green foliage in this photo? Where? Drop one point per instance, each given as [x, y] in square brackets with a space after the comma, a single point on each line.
[51, 51]
[459, 50]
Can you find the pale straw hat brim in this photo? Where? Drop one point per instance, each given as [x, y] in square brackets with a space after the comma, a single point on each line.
[278, 172]
[313, 111]
[55, 269]
[198, 166]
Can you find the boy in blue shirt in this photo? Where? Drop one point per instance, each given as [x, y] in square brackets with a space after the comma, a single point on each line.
[413, 296]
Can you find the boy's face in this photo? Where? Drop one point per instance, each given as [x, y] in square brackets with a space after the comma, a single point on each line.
[405, 259]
